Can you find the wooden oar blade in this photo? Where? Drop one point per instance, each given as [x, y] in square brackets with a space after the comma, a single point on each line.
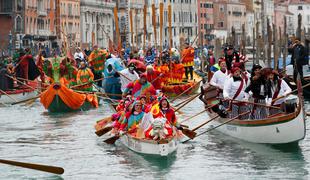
[39, 167]
[112, 140]
[189, 133]
[25, 101]
[104, 130]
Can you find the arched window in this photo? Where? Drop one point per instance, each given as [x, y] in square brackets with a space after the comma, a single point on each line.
[18, 24]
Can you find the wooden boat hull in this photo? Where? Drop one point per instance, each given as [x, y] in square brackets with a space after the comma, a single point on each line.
[285, 129]
[150, 147]
[18, 96]
[175, 90]
[58, 106]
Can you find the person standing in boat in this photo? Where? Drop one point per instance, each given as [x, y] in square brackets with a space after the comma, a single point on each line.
[188, 55]
[257, 90]
[232, 56]
[219, 77]
[6, 83]
[140, 87]
[299, 58]
[85, 76]
[234, 90]
[96, 60]
[149, 57]
[276, 87]
[154, 77]
[132, 119]
[130, 73]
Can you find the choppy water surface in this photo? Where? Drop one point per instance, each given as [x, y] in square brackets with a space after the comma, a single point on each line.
[30, 134]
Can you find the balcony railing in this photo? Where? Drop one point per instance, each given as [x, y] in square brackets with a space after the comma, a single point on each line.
[42, 13]
[43, 32]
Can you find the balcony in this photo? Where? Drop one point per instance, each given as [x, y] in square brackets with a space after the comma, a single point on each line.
[43, 32]
[42, 12]
[237, 13]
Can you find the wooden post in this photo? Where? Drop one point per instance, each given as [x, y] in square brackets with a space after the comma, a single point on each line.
[233, 36]
[170, 25]
[269, 34]
[144, 25]
[284, 44]
[280, 45]
[243, 40]
[298, 31]
[217, 48]
[275, 48]
[131, 27]
[161, 22]
[254, 58]
[154, 23]
[116, 26]
[258, 47]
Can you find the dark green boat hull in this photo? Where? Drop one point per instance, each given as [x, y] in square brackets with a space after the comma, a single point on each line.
[58, 105]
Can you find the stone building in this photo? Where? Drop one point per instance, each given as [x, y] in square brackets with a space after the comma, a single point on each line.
[205, 20]
[97, 22]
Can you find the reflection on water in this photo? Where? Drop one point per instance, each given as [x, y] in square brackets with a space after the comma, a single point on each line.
[30, 134]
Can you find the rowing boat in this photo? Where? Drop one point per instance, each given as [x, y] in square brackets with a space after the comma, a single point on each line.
[16, 95]
[150, 147]
[285, 127]
[59, 98]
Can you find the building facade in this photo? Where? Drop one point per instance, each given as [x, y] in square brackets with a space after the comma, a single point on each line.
[301, 7]
[205, 20]
[39, 25]
[12, 15]
[97, 20]
[69, 24]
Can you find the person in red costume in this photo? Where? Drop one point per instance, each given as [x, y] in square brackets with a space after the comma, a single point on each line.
[188, 55]
[154, 77]
[24, 64]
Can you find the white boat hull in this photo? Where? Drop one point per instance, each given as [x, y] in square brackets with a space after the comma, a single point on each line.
[4, 99]
[284, 132]
[150, 147]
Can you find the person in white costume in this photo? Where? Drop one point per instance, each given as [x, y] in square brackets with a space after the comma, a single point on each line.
[130, 73]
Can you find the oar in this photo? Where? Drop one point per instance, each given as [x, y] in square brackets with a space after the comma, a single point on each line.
[193, 116]
[72, 87]
[123, 76]
[187, 102]
[112, 139]
[196, 128]
[26, 100]
[258, 104]
[187, 90]
[180, 103]
[104, 130]
[24, 84]
[39, 167]
[156, 78]
[3, 92]
[290, 93]
[220, 125]
[211, 106]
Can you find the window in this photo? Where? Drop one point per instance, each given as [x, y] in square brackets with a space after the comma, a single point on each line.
[222, 8]
[299, 7]
[18, 22]
[220, 24]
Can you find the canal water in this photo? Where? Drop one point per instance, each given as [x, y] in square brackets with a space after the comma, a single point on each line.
[30, 134]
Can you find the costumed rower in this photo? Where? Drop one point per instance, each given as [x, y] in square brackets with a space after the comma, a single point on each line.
[132, 119]
[96, 60]
[219, 77]
[234, 90]
[257, 90]
[276, 87]
[140, 87]
[188, 55]
[232, 56]
[85, 75]
[129, 72]
[151, 75]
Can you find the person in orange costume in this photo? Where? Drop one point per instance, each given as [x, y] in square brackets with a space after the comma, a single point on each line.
[154, 77]
[188, 55]
[84, 76]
